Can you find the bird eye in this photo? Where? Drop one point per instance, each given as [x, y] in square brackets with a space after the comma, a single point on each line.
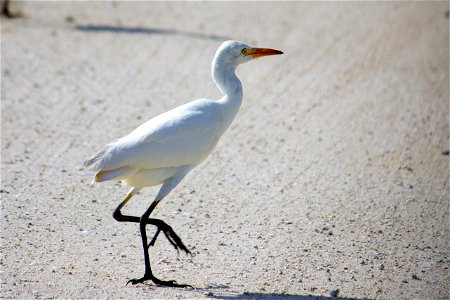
[244, 51]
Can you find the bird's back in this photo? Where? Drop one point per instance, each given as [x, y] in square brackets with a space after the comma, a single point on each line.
[182, 136]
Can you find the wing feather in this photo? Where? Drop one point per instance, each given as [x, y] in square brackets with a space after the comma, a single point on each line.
[182, 136]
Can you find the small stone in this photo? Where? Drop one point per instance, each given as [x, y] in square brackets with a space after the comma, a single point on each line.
[334, 293]
[70, 19]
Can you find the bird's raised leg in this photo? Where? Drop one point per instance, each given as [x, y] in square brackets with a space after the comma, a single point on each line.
[170, 234]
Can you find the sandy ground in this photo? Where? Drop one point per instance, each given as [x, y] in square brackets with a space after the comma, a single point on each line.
[333, 179]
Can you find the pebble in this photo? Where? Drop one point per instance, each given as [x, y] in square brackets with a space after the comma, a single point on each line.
[334, 293]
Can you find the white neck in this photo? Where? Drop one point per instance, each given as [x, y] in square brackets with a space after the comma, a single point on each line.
[226, 80]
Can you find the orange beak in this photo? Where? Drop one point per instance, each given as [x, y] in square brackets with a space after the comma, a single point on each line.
[259, 52]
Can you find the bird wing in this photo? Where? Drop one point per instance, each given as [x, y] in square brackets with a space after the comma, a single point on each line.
[182, 136]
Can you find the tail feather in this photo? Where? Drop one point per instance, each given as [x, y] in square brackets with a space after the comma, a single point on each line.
[99, 164]
[94, 163]
[112, 174]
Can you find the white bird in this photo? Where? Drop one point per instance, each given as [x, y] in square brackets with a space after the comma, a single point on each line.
[164, 149]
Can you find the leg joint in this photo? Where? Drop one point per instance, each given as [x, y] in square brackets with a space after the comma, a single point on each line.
[117, 215]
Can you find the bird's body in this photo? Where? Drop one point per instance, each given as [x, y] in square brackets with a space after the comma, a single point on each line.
[164, 149]
[142, 158]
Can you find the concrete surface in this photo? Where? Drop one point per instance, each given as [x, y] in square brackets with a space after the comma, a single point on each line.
[331, 181]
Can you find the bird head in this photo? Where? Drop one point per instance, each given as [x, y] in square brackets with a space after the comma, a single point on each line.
[235, 53]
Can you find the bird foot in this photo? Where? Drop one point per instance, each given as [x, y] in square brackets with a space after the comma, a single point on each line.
[169, 283]
[170, 234]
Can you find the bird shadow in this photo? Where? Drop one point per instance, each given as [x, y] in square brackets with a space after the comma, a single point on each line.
[220, 292]
[270, 296]
[147, 30]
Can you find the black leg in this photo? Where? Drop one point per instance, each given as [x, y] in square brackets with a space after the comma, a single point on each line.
[148, 275]
[170, 234]
[173, 238]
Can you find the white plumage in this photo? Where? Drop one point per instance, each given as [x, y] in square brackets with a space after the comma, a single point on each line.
[172, 142]
[164, 149]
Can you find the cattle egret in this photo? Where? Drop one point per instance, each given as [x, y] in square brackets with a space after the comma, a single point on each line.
[164, 149]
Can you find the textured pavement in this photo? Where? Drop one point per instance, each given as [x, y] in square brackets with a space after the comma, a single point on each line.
[333, 179]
